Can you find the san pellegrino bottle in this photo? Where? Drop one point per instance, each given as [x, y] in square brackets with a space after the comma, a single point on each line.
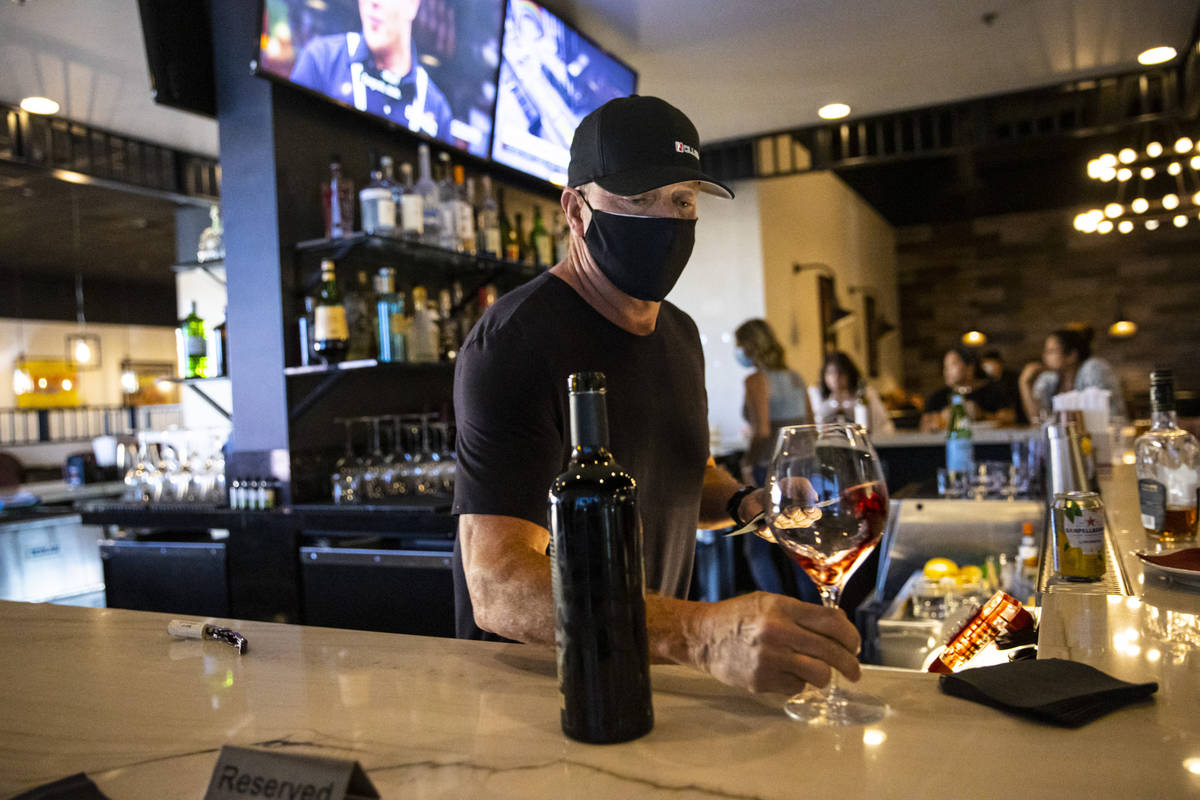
[194, 345]
[960, 445]
[598, 582]
[411, 215]
[331, 335]
[1168, 466]
[540, 241]
[389, 317]
[430, 198]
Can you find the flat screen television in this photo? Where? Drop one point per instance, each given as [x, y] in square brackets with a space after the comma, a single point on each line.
[427, 66]
[551, 76]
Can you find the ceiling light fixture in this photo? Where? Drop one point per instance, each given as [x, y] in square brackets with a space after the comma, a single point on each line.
[1151, 180]
[833, 111]
[39, 105]
[1156, 55]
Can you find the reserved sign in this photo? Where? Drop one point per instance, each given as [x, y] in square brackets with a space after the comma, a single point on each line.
[242, 772]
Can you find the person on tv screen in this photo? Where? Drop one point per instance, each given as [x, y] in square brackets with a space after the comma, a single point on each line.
[376, 69]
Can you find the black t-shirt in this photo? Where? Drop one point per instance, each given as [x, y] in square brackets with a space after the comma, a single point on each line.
[511, 411]
[990, 397]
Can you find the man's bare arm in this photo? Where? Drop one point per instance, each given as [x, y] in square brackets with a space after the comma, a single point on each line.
[758, 641]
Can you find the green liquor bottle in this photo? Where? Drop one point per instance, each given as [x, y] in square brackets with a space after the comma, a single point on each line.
[194, 345]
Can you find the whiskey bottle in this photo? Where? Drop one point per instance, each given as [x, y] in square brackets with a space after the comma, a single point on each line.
[331, 336]
[1168, 467]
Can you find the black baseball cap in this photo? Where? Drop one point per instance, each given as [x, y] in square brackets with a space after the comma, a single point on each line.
[634, 144]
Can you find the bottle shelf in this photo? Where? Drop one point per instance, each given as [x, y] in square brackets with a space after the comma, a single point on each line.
[365, 363]
[415, 252]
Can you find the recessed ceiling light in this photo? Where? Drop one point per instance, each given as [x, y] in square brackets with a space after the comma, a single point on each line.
[1156, 55]
[39, 105]
[833, 111]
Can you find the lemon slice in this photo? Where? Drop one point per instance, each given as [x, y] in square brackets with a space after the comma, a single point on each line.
[938, 568]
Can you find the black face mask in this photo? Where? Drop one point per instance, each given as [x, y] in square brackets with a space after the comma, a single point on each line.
[642, 256]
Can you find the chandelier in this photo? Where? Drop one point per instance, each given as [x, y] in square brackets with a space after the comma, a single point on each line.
[1157, 186]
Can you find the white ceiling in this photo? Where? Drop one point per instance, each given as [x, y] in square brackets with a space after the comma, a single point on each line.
[737, 67]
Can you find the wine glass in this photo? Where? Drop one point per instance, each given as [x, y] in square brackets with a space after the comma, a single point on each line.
[827, 508]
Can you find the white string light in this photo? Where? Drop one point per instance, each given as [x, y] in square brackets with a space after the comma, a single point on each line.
[1177, 162]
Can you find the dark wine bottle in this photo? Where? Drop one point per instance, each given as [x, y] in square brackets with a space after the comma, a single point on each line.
[598, 577]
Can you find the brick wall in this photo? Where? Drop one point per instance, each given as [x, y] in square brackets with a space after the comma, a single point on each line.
[1019, 276]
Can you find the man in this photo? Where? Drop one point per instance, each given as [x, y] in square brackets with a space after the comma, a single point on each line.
[377, 70]
[984, 399]
[993, 366]
[630, 204]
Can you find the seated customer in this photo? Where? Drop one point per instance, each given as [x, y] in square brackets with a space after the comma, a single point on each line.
[984, 399]
[1068, 364]
[842, 388]
[993, 366]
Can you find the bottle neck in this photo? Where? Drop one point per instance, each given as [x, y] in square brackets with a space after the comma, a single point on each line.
[1162, 419]
[589, 423]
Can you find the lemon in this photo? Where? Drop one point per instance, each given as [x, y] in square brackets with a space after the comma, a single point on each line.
[938, 568]
[969, 574]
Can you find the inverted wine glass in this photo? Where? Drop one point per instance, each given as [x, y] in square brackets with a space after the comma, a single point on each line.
[828, 505]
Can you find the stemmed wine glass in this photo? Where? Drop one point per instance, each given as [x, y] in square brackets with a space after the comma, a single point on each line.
[827, 508]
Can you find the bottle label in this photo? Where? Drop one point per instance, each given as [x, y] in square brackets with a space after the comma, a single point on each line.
[465, 221]
[329, 322]
[960, 456]
[197, 346]
[545, 251]
[412, 214]
[491, 241]
[1085, 531]
[1152, 497]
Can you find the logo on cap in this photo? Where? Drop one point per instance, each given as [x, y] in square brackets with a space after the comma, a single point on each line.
[680, 147]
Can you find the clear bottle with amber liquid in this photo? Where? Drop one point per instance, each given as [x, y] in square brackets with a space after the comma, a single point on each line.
[1168, 467]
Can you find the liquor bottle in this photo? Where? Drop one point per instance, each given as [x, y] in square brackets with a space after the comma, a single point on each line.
[597, 578]
[520, 242]
[541, 245]
[377, 206]
[221, 348]
[359, 303]
[960, 446]
[508, 235]
[331, 336]
[193, 345]
[464, 215]
[430, 199]
[389, 317]
[411, 215]
[423, 330]
[448, 203]
[305, 328]
[211, 246]
[337, 195]
[1168, 466]
[448, 327]
[562, 237]
[489, 222]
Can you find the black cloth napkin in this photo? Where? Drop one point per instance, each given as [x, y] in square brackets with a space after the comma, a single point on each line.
[73, 787]
[1052, 690]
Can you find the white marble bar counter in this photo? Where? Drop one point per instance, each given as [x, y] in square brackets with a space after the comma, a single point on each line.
[109, 693]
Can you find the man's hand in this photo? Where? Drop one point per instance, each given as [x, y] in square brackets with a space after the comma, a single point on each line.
[770, 643]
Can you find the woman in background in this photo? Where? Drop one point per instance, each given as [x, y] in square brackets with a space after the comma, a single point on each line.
[1068, 364]
[844, 396]
[774, 397]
